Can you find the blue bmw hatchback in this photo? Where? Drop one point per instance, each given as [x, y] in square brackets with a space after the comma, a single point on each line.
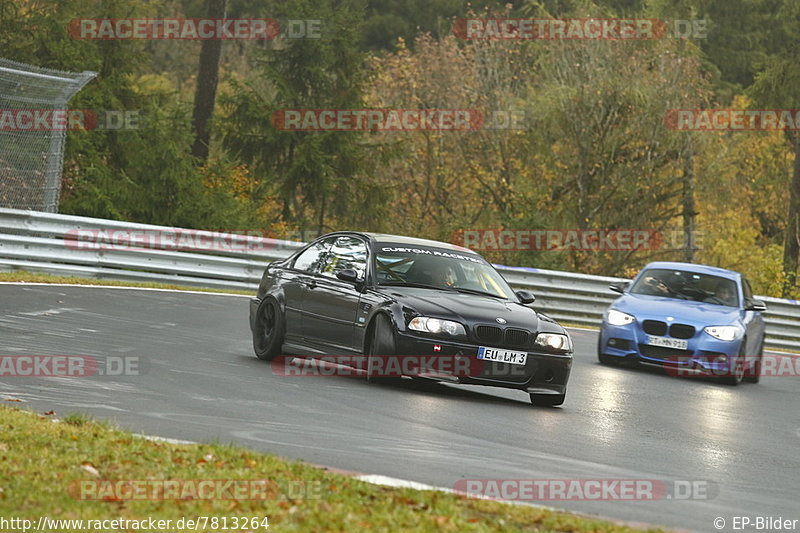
[691, 319]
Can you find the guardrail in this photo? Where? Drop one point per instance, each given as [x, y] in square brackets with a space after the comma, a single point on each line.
[106, 249]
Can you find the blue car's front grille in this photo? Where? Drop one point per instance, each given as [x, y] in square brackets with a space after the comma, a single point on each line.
[655, 327]
[659, 328]
[681, 331]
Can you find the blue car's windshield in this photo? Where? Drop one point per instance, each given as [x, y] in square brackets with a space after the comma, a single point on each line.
[685, 285]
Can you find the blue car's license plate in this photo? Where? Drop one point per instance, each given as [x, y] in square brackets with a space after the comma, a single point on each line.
[666, 342]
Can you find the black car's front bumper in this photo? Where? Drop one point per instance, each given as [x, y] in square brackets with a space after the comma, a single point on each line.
[542, 373]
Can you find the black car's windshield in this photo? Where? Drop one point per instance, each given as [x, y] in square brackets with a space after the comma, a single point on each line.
[438, 268]
[685, 285]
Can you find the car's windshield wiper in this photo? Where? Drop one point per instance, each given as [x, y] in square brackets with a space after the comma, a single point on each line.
[476, 291]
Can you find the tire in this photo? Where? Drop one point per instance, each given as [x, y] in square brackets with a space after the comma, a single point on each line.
[754, 375]
[382, 343]
[739, 371]
[603, 358]
[608, 359]
[268, 330]
[550, 400]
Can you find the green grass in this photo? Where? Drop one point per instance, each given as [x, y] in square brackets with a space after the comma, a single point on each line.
[23, 276]
[41, 463]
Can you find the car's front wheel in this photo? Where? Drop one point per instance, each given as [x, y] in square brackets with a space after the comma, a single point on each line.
[382, 345]
[551, 400]
[268, 330]
[603, 358]
[607, 359]
[754, 373]
[737, 372]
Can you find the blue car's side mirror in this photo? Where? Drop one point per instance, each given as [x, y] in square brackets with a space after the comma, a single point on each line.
[619, 286]
[755, 305]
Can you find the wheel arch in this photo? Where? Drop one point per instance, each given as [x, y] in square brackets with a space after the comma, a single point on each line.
[384, 311]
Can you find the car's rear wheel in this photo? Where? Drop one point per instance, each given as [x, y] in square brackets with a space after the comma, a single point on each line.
[382, 345]
[754, 374]
[551, 400]
[268, 330]
[737, 372]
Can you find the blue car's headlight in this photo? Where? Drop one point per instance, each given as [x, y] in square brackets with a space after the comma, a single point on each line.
[723, 333]
[436, 326]
[553, 342]
[618, 318]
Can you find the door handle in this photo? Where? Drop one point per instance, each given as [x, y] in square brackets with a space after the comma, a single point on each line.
[311, 284]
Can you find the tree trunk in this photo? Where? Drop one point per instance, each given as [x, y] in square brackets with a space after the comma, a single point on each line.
[791, 247]
[689, 212]
[207, 77]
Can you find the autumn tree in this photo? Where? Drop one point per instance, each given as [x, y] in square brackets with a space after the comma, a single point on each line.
[778, 87]
[312, 173]
[600, 110]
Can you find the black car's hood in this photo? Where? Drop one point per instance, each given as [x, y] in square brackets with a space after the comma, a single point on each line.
[467, 308]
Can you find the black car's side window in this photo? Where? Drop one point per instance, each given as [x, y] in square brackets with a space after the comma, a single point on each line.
[314, 257]
[346, 252]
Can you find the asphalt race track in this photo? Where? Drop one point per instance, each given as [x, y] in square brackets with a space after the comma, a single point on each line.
[199, 381]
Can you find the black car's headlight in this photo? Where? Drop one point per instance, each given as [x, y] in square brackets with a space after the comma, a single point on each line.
[436, 326]
[553, 342]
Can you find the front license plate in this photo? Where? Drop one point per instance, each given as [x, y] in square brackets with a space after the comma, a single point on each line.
[667, 342]
[502, 356]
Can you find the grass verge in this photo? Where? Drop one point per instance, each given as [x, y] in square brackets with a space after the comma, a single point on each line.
[45, 465]
[22, 276]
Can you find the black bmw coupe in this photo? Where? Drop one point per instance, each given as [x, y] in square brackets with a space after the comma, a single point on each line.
[371, 297]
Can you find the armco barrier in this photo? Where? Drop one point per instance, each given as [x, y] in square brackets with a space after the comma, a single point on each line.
[50, 243]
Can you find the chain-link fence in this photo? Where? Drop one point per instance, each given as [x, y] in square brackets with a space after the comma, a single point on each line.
[33, 126]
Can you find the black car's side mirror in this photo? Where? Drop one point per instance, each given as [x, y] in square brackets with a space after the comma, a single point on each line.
[526, 297]
[619, 286]
[348, 274]
[755, 305]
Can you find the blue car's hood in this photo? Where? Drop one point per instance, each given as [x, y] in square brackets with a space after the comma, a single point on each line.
[697, 313]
